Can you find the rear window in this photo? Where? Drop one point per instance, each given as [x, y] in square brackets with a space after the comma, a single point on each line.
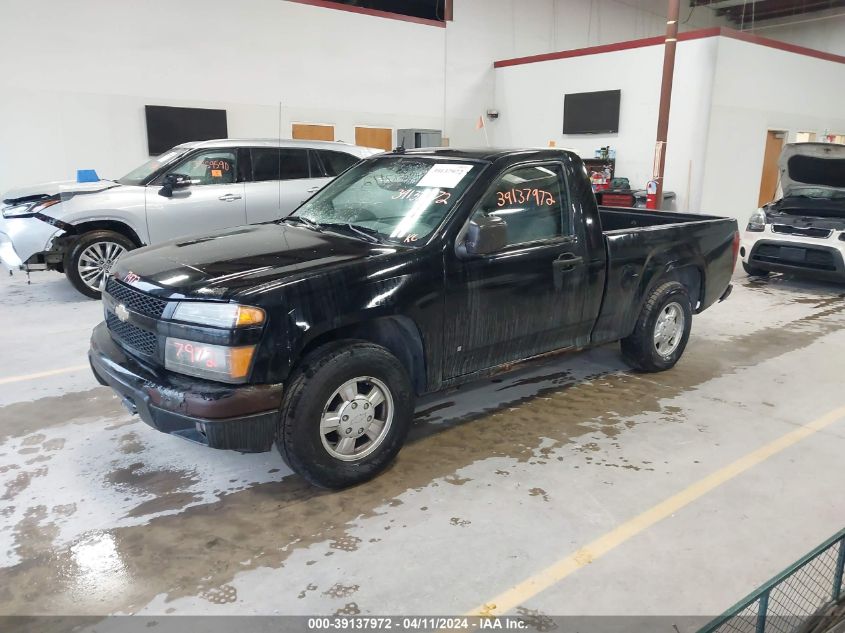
[335, 163]
[265, 164]
[293, 163]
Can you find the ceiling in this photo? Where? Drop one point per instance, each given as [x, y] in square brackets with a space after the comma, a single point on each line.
[744, 13]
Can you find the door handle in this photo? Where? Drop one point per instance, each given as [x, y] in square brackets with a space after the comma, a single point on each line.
[313, 189]
[567, 261]
[229, 197]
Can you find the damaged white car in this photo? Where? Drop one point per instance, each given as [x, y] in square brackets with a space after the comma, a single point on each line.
[82, 228]
[804, 231]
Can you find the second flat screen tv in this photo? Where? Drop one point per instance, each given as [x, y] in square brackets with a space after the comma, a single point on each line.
[168, 126]
[591, 112]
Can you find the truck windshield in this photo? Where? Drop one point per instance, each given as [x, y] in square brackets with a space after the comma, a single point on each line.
[400, 199]
[140, 174]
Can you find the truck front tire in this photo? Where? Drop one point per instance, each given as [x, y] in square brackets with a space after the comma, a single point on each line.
[345, 414]
[90, 258]
[662, 329]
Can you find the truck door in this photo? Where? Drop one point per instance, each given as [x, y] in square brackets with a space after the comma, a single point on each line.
[214, 200]
[527, 298]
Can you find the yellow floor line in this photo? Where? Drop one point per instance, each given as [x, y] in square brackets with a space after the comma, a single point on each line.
[42, 374]
[530, 587]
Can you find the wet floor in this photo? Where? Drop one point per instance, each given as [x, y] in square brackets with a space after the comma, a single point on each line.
[100, 514]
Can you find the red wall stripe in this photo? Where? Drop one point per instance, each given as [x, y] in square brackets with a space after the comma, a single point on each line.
[689, 35]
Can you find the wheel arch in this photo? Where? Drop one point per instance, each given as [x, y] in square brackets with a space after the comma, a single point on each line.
[690, 277]
[106, 225]
[397, 333]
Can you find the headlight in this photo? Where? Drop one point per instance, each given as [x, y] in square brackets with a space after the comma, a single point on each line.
[757, 221]
[224, 315]
[17, 210]
[28, 208]
[215, 362]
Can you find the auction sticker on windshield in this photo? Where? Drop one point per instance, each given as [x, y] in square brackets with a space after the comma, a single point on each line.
[444, 175]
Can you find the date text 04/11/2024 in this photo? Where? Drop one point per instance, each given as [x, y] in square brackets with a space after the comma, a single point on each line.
[420, 623]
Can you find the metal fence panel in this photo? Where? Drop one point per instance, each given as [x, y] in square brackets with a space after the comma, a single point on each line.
[790, 599]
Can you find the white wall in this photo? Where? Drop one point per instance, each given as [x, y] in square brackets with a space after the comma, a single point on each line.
[488, 30]
[727, 94]
[756, 89]
[530, 100]
[74, 76]
[822, 30]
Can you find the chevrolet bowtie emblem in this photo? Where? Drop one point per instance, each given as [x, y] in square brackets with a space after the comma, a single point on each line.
[121, 312]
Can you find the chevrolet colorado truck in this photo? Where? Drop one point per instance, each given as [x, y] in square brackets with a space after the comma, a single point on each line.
[412, 272]
[803, 232]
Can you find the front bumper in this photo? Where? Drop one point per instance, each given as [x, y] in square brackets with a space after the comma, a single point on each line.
[235, 417]
[9, 258]
[21, 238]
[819, 258]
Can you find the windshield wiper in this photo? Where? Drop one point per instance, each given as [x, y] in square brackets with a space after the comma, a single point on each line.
[369, 234]
[311, 224]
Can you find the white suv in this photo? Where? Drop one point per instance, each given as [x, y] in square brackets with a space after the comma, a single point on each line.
[82, 228]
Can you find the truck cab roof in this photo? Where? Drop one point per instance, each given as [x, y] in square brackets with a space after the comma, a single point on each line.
[488, 154]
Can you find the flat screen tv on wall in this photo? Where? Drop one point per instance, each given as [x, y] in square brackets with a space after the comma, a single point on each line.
[168, 126]
[591, 112]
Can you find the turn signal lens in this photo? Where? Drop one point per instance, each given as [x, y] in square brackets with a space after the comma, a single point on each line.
[248, 315]
[239, 361]
[224, 315]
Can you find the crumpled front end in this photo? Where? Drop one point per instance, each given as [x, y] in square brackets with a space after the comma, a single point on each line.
[22, 240]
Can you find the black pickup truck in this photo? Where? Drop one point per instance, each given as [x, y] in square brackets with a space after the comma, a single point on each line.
[412, 272]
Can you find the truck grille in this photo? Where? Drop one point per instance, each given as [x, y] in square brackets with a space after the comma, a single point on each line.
[803, 232]
[141, 341]
[135, 300]
[810, 258]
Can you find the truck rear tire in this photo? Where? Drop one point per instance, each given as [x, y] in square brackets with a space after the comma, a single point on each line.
[753, 271]
[662, 329]
[345, 414]
[90, 258]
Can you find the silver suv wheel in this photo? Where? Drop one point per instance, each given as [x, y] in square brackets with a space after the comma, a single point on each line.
[96, 261]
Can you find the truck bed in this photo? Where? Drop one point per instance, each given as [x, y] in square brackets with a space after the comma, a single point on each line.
[616, 219]
[697, 249]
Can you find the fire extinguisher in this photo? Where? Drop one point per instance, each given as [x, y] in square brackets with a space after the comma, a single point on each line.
[651, 195]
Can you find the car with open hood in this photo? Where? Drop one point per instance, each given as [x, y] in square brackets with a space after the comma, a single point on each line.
[803, 232]
[81, 229]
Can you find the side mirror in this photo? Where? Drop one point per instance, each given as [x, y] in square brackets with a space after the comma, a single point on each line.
[173, 181]
[487, 234]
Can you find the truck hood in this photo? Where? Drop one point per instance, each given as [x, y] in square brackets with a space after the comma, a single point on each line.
[62, 187]
[816, 165]
[253, 258]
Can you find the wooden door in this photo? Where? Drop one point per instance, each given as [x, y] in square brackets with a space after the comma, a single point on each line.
[377, 137]
[769, 178]
[311, 132]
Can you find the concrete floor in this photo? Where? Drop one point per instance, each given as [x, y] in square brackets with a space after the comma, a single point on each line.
[101, 515]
